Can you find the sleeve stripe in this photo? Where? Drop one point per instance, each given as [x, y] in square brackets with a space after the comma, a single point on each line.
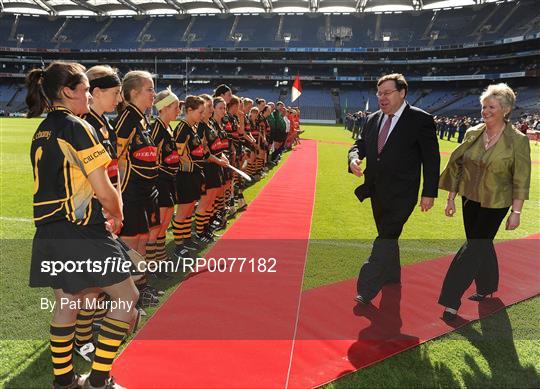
[121, 121]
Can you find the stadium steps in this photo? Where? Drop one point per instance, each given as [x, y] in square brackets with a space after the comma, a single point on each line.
[12, 99]
[233, 27]
[186, 34]
[140, 37]
[420, 96]
[478, 30]
[448, 102]
[279, 32]
[13, 32]
[101, 33]
[427, 31]
[506, 18]
[57, 38]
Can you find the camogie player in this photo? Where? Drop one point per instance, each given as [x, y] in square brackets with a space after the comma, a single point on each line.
[138, 172]
[260, 103]
[249, 142]
[234, 125]
[105, 91]
[168, 106]
[190, 177]
[212, 172]
[220, 148]
[264, 130]
[255, 148]
[72, 191]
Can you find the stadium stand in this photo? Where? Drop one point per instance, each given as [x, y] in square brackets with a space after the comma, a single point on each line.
[448, 55]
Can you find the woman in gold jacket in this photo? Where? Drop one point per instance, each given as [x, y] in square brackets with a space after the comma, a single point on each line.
[491, 170]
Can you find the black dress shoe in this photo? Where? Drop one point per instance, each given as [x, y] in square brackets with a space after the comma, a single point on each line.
[362, 300]
[449, 316]
[479, 297]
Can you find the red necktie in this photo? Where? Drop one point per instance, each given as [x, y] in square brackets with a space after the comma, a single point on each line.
[383, 133]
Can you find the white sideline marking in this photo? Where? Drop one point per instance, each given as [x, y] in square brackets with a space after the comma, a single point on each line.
[16, 219]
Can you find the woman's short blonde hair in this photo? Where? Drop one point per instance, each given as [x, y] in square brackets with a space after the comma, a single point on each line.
[503, 94]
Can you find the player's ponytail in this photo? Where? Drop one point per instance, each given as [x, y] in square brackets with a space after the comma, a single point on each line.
[45, 85]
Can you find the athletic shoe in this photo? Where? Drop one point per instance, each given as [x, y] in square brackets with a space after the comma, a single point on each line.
[181, 252]
[242, 205]
[85, 351]
[203, 239]
[231, 212]
[147, 298]
[84, 383]
[156, 292]
[191, 245]
[75, 384]
[213, 234]
[160, 275]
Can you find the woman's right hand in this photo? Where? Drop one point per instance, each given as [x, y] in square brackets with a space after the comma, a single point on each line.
[450, 209]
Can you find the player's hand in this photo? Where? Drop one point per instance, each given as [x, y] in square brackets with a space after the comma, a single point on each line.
[223, 161]
[114, 225]
[355, 167]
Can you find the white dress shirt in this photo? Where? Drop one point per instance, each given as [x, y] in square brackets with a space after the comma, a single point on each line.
[395, 119]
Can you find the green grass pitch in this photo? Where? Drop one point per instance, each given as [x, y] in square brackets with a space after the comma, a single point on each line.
[500, 351]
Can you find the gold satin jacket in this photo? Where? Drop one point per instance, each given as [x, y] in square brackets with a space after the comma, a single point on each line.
[494, 177]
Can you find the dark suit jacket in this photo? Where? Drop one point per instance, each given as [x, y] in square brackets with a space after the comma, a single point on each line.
[394, 175]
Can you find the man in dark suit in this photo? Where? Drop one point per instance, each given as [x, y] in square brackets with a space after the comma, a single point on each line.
[397, 142]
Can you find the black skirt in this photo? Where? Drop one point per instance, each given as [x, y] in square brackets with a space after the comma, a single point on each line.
[72, 258]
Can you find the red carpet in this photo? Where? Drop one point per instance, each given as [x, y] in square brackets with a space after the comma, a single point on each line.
[254, 330]
[335, 337]
[235, 328]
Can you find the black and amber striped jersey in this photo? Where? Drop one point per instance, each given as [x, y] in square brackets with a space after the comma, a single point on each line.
[65, 149]
[230, 125]
[107, 137]
[221, 146]
[137, 153]
[215, 144]
[262, 124]
[168, 158]
[253, 128]
[190, 147]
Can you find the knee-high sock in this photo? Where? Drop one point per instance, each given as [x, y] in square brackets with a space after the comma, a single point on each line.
[161, 252]
[83, 327]
[62, 339]
[182, 230]
[109, 340]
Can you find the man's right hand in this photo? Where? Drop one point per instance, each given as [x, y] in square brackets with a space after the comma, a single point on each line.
[355, 167]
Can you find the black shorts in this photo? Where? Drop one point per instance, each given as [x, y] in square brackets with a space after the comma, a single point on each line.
[81, 251]
[189, 186]
[212, 176]
[141, 216]
[167, 193]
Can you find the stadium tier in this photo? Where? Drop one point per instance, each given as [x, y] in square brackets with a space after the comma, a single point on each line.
[447, 55]
[428, 28]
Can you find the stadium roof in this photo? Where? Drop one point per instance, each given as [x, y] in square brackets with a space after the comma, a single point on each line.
[163, 7]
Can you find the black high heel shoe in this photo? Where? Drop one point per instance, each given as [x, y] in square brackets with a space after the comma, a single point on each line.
[479, 297]
[449, 316]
